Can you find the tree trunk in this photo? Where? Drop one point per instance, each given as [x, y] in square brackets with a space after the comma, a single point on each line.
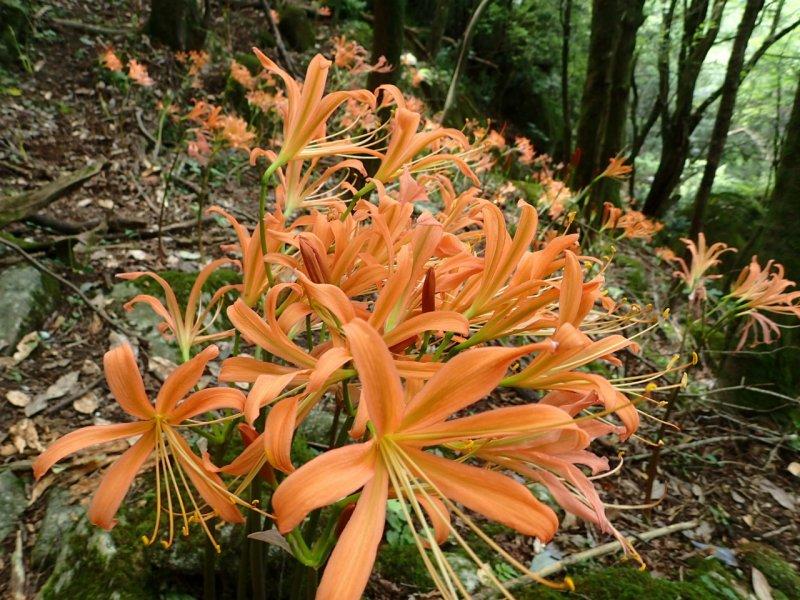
[601, 127]
[437, 28]
[387, 39]
[699, 33]
[181, 24]
[727, 103]
[566, 109]
[780, 240]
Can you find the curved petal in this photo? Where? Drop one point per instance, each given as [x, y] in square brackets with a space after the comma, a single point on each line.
[329, 362]
[125, 382]
[444, 320]
[490, 493]
[83, 438]
[438, 515]
[207, 400]
[249, 459]
[265, 390]
[117, 481]
[278, 434]
[206, 483]
[380, 383]
[248, 369]
[467, 378]
[183, 379]
[351, 561]
[327, 479]
[529, 420]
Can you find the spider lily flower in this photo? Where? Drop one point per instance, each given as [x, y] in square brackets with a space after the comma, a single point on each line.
[757, 291]
[156, 426]
[557, 370]
[636, 225]
[186, 326]
[138, 73]
[553, 457]
[254, 272]
[617, 169]
[306, 111]
[297, 189]
[394, 458]
[704, 258]
[406, 143]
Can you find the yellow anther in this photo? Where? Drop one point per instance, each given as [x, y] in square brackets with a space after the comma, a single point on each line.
[165, 544]
[146, 540]
[650, 387]
[695, 359]
[665, 313]
[569, 583]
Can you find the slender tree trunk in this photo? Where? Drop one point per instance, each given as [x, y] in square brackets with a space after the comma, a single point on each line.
[601, 127]
[566, 109]
[437, 27]
[387, 39]
[700, 30]
[181, 24]
[727, 103]
[631, 18]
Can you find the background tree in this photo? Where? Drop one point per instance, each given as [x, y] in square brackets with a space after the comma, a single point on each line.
[387, 39]
[603, 112]
[181, 24]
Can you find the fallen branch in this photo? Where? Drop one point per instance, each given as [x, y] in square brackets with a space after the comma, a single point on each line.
[23, 205]
[287, 60]
[596, 552]
[88, 27]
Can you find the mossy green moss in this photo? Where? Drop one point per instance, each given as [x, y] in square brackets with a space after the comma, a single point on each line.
[781, 575]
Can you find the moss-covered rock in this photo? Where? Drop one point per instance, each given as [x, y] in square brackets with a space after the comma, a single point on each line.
[296, 27]
[780, 574]
[26, 298]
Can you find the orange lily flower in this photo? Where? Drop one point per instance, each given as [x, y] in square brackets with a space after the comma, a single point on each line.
[760, 290]
[254, 273]
[138, 73]
[395, 458]
[157, 427]
[306, 111]
[406, 143]
[185, 326]
[703, 258]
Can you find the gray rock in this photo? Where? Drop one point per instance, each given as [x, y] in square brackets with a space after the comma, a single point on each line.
[13, 501]
[26, 298]
[60, 518]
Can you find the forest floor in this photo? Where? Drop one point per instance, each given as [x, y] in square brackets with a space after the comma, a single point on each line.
[733, 473]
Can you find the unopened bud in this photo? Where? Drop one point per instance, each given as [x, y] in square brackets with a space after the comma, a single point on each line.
[429, 291]
[314, 261]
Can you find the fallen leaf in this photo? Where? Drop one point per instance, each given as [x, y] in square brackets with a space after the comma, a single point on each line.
[87, 403]
[794, 468]
[761, 586]
[62, 386]
[782, 497]
[748, 519]
[23, 435]
[18, 398]
[89, 367]
[25, 346]
[160, 367]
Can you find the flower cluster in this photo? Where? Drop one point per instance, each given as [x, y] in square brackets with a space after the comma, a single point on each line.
[407, 317]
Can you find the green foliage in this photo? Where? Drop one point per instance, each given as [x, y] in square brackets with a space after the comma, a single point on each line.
[782, 575]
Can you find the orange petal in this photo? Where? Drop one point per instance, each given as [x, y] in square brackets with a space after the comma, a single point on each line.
[529, 419]
[207, 484]
[442, 320]
[83, 438]
[465, 379]
[183, 379]
[251, 457]
[351, 561]
[125, 382]
[265, 390]
[117, 481]
[328, 363]
[380, 383]
[490, 493]
[327, 479]
[278, 434]
[569, 301]
[438, 515]
[207, 400]
[247, 369]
